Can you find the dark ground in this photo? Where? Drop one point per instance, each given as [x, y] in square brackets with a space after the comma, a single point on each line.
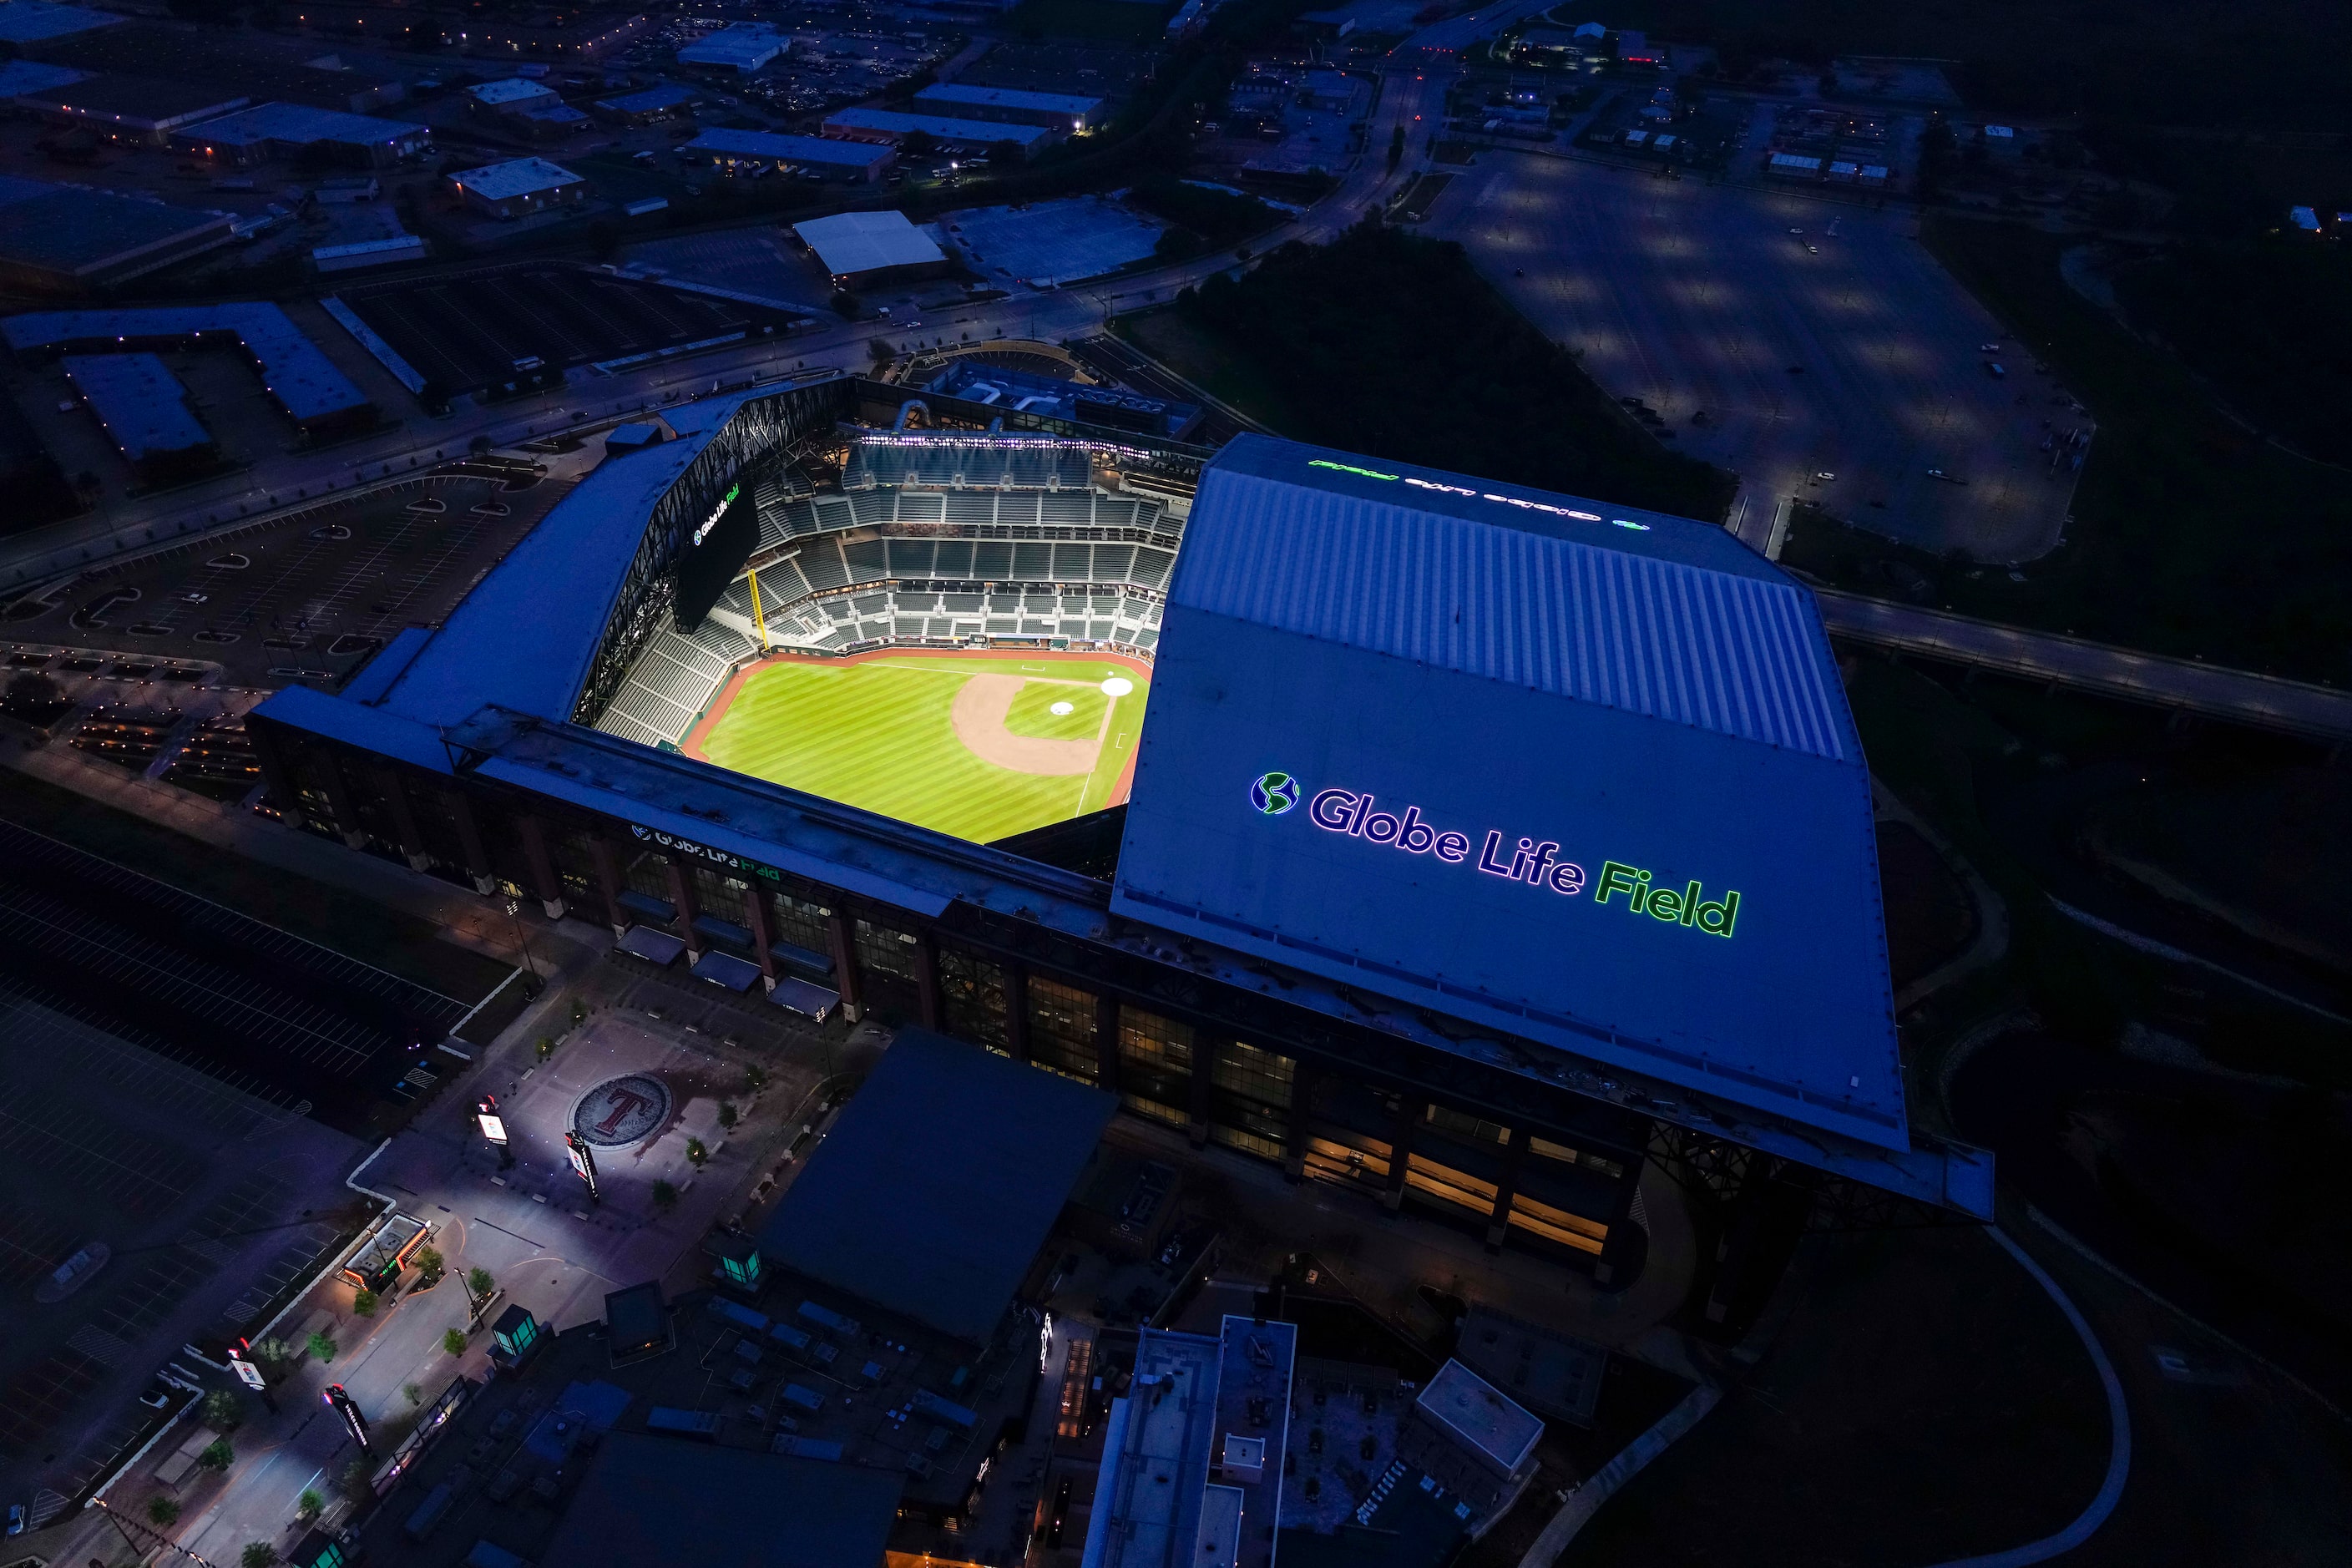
[1923, 1377]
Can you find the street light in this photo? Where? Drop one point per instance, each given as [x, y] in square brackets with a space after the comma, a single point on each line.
[522, 940]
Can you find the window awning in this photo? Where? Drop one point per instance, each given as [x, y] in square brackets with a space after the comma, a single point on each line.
[652, 946]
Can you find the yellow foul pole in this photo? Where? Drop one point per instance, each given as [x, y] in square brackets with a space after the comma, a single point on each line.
[758, 618]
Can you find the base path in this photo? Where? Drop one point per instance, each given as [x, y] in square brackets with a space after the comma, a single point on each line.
[979, 714]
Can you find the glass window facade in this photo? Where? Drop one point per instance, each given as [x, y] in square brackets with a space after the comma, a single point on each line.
[1062, 1029]
[886, 967]
[971, 998]
[1250, 1099]
[1155, 1066]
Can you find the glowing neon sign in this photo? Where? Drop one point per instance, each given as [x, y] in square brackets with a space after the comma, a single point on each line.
[1535, 862]
[1520, 502]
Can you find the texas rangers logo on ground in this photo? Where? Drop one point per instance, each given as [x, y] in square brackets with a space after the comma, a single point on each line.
[622, 1110]
[1275, 793]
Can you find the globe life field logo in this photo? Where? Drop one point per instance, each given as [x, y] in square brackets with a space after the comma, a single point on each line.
[1535, 862]
[1274, 794]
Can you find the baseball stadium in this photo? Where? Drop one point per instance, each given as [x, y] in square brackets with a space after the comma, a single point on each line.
[1487, 846]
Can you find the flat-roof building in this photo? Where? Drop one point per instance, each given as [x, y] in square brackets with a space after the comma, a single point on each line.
[824, 157]
[303, 380]
[144, 410]
[511, 95]
[67, 237]
[271, 130]
[865, 249]
[1192, 1456]
[743, 47]
[1478, 1442]
[1056, 110]
[645, 108]
[37, 21]
[939, 1184]
[520, 187]
[647, 1498]
[367, 253]
[965, 133]
[134, 109]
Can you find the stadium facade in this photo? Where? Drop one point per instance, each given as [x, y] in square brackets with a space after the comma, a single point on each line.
[1483, 841]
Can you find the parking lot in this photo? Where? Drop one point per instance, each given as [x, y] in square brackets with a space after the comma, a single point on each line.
[1784, 338]
[304, 599]
[479, 330]
[257, 1007]
[201, 1195]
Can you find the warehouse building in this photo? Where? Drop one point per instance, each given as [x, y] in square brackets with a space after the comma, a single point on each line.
[961, 134]
[819, 157]
[520, 187]
[144, 410]
[71, 239]
[865, 250]
[302, 380]
[1009, 106]
[745, 47]
[273, 130]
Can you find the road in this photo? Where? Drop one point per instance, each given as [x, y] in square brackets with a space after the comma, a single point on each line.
[2264, 701]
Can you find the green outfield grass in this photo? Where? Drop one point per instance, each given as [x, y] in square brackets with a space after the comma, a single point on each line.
[878, 736]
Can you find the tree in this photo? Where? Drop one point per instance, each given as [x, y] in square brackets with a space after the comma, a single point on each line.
[217, 1455]
[454, 1341]
[848, 306]
[430, 1264]
[31, 689]
[1396, 147]
[755, 1079]
[224, 1411]
[309, 1506]
[727, 1114]
[364, 1303]
[162, 1511]
[881, 350]
[272, 1355]
[917, 144]
[478, 1285]
[412, 1392]
[357, 1481]
[664, 1196]
[258, 1554]
[544, 1046]
[322, 1345]
[695, 1153]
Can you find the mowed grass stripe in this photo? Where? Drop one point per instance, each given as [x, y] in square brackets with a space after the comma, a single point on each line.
[878, 735]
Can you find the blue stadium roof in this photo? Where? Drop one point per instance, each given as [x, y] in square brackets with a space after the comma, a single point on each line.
[1431, 671]
[502, 645]
[936, 1186]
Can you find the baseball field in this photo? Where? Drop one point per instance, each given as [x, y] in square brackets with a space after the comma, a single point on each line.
[981, 745]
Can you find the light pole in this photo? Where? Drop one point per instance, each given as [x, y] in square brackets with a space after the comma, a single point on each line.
[523, 941]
